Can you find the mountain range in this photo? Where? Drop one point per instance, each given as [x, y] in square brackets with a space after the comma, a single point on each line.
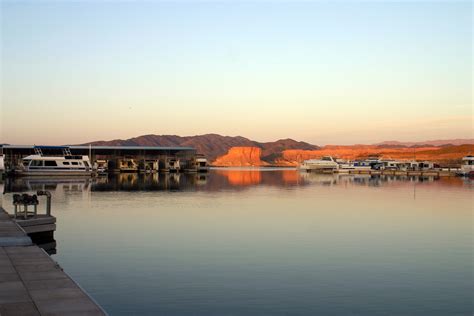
[241, 151]
[439, 142]
[211, 145]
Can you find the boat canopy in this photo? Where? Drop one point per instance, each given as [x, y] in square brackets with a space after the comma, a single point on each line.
[51, 147]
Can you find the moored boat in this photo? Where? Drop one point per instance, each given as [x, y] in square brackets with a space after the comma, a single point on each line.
[325, 164]
[67, 165]
[467, 168]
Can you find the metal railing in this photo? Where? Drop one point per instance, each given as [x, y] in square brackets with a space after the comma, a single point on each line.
[22, 202]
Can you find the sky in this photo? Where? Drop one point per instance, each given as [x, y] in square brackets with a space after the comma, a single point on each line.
[325, 72]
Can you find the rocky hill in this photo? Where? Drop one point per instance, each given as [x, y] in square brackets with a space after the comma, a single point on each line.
[241, 157]
[212, 145]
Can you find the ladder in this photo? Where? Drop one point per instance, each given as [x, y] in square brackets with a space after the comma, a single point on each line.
[38, 151]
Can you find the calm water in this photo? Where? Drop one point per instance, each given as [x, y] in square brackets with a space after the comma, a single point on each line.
[266, 243]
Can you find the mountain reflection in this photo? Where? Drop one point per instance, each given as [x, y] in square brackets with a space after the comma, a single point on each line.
[215, 180]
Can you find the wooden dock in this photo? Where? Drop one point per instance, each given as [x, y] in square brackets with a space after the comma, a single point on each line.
[31, 282]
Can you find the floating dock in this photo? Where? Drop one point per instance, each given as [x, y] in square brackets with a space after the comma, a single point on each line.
[31, 282]
[429, 172]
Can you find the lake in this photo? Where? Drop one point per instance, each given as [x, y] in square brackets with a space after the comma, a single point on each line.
[265, 242]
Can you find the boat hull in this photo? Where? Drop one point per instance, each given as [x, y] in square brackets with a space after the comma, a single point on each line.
[31, 173]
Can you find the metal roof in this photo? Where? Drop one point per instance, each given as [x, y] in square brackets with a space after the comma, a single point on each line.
[133, 147]
[98, 147]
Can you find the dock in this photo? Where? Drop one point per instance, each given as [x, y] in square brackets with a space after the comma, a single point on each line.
[427, 173]
[31, 282]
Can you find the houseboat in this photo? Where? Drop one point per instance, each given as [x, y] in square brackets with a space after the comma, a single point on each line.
[67, 165]
[149, 166]
[202, 165]
[389, 164]
[170, 165]
[361, 165]
[344, 166]
[197, 164]
[127, 165]
[101, 166]
[174, 165]
[325, 164]
[467, 167]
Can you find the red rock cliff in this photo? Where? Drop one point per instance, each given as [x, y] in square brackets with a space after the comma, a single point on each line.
[241, 157]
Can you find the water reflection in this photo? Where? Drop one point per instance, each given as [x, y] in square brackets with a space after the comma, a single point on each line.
[265, 242]
[216, 180]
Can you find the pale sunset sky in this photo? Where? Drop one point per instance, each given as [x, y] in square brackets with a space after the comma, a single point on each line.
[325, 72]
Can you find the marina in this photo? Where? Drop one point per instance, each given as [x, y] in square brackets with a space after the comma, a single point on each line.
[96, 160]
[236, 158]
[381, 166]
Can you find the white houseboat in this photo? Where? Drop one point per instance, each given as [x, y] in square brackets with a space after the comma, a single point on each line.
[67, 165]
[201, 164]
[467, 167]
[326, 163]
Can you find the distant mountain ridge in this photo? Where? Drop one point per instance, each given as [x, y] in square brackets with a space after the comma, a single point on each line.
[233, 150]
[211, 145]
[437, 143]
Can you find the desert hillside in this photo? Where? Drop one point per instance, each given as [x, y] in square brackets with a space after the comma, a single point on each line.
[241, 157]
[240, 151]
[211, 145]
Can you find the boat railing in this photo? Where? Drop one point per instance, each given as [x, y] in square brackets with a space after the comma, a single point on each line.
[38, 151]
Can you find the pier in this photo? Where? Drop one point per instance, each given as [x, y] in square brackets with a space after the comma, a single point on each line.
[31, 282]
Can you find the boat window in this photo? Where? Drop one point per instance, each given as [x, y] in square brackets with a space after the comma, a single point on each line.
[326, 159]
[86, 163]
[37, 163]
[50, 163]
[66, 163]
[26, 162]
[75, 163]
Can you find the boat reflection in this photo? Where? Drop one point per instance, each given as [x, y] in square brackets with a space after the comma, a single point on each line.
[215, 180]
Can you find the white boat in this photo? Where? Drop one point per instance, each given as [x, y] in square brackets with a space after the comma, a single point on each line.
[67, 165]
[202, 164]
[326, 163]
[467, 167]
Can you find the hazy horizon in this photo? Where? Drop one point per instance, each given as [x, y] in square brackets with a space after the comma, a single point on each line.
[322, 72]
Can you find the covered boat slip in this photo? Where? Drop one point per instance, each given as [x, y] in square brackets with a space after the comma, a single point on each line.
[117, 158]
